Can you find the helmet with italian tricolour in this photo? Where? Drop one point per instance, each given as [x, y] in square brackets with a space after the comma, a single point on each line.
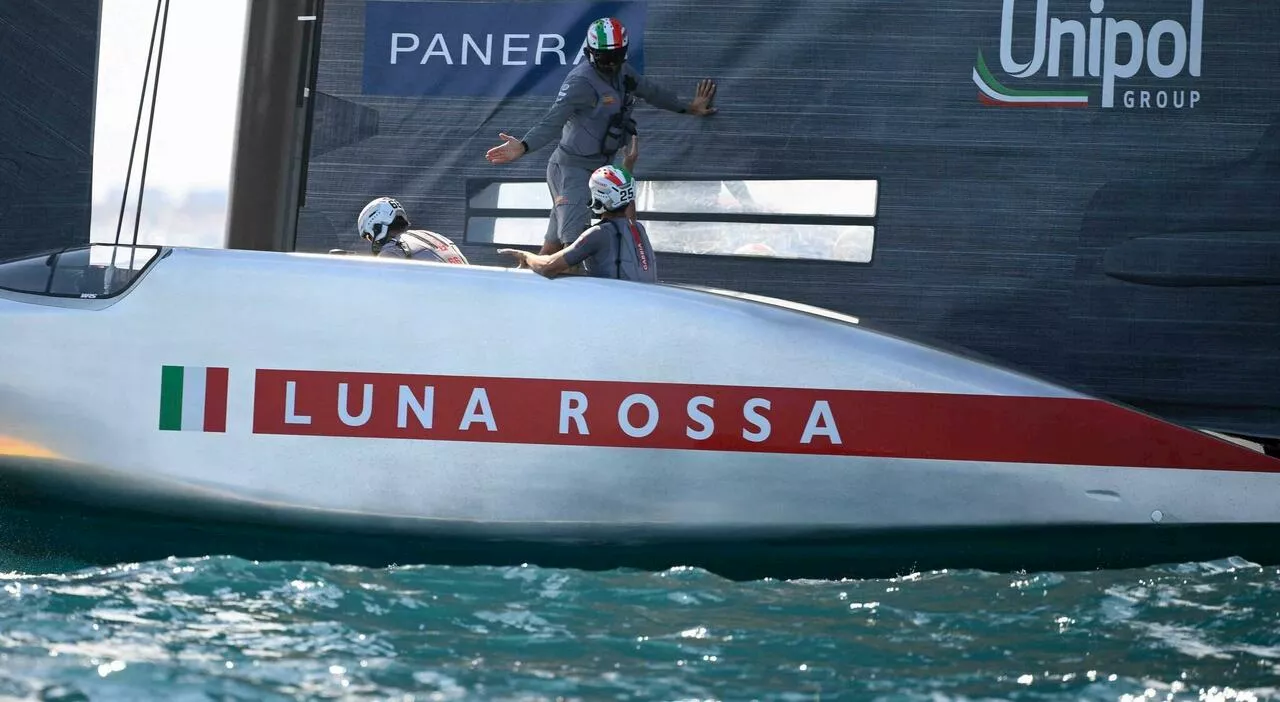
[606, 44]
[612, 189]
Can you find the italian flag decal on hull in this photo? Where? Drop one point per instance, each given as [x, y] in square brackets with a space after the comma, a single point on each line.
[991, 92]
[193, 398]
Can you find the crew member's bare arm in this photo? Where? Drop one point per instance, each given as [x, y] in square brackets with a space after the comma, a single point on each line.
[557, 263]
[633, 155]
[549, 266]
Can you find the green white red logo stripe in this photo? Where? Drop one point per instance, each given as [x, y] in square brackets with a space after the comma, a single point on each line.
[193, 398]
[681, 416]
[991, 92]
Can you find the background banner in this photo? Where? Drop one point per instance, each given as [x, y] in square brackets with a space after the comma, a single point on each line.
[48, 59]
[1083, 189]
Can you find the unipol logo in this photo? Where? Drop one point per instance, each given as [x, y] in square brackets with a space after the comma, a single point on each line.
[1100, 48]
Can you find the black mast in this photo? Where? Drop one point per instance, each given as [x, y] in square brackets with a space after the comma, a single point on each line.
[273, 123]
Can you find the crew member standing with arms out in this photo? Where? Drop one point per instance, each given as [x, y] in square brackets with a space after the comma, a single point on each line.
[592, 113]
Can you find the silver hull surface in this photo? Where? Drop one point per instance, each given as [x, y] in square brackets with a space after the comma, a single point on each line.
[365, 410]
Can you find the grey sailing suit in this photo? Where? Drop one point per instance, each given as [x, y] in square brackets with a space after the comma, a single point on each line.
[615, 248]
[593, 117]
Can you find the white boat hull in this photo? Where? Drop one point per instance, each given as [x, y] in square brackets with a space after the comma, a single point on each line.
[483, 405]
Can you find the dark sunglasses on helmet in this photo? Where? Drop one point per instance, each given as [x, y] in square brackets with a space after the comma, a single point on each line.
[608, 58]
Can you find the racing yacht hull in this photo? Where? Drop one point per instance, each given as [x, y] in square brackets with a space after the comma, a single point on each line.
[357, 410]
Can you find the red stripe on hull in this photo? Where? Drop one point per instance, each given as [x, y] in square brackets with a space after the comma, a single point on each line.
[869, 423]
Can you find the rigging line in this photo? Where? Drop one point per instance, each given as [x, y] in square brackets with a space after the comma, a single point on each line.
[142, 99]
[146, 152]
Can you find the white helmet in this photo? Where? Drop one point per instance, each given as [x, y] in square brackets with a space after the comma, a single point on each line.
[612, 188]
[378, 217]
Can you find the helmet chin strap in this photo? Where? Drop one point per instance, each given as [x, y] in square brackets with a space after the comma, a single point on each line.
[382, 234]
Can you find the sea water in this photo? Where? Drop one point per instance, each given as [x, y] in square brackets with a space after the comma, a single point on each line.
[221, 628]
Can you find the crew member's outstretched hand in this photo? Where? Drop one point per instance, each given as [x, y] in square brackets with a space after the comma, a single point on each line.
[522, 260]
[510, 150]
[701, 103]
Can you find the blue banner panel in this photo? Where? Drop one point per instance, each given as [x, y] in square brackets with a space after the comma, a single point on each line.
[484, 49]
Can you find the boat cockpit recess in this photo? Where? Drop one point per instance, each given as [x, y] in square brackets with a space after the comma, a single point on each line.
[84, 272]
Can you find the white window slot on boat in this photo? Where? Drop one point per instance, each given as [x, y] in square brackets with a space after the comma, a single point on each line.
[828, 220]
